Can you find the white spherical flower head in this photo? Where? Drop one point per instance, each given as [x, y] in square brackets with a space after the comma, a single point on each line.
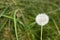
[42, 19]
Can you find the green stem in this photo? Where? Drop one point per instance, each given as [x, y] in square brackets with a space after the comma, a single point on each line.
[15, 25]
[41, 31]
[56, 26]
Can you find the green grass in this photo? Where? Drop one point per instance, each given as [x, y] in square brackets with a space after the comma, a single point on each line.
[17, 19]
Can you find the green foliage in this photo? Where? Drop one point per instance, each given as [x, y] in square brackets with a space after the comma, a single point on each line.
[17, 19]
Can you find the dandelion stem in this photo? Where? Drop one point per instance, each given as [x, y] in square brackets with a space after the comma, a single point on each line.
[41, 31]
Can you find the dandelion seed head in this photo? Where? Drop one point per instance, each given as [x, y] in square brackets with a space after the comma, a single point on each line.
[42, 19]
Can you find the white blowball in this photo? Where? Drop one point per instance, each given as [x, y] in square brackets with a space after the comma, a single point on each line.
[42, 19]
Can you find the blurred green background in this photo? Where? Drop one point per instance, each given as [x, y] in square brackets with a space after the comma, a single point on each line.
[17, 19]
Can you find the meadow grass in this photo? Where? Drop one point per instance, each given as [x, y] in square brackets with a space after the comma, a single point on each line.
[17, 19]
